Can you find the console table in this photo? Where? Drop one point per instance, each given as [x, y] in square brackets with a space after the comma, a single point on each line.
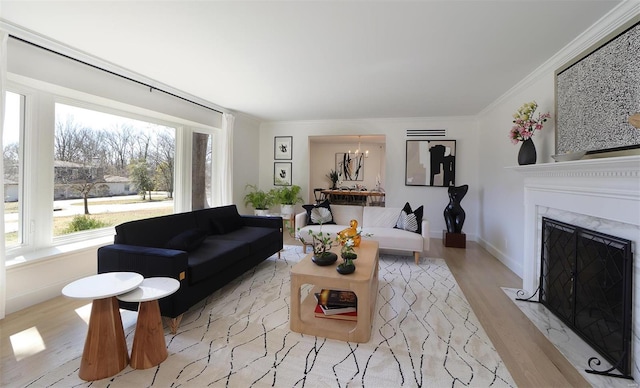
[359, 197]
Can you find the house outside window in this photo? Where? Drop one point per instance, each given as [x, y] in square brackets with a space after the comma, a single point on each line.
[99, 158]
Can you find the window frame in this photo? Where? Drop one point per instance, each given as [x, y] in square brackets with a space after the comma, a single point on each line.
[40, 98]
[21, 191]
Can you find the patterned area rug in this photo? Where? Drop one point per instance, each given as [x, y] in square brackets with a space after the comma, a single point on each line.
[424, 335]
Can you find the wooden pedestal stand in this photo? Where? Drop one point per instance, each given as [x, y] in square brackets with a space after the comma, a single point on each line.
[454, 240]
[149, 347]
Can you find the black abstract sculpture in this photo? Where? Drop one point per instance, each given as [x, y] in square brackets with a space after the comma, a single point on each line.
[454, 214]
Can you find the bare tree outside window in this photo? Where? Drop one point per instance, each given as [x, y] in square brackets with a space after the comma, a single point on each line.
[201, 154]
[111, 165]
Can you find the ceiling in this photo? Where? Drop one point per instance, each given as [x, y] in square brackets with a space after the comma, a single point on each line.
[307, 60]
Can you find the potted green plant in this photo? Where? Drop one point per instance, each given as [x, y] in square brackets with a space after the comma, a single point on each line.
[322, 243]
[259, 199]
[333, 177]
[288, 197]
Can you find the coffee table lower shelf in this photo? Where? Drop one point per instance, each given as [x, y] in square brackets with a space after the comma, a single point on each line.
[363, 282]
[339, 329]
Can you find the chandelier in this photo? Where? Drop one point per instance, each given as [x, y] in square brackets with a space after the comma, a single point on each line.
[359, 150]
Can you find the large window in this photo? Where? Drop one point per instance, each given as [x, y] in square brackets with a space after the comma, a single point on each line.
[12, 155]
[85, 150]
[75, 169]
[109, 169]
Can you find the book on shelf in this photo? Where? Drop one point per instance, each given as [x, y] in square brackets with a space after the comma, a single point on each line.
[333, 310]
[350, 316]
[337, 298]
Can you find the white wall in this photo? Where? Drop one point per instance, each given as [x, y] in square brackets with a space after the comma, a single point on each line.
[246, 148]
[501, 191]
[435, 199]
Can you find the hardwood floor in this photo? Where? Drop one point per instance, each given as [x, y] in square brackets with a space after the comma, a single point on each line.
[531, 359]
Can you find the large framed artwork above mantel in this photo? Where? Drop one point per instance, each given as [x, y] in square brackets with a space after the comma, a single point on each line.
[597, 93]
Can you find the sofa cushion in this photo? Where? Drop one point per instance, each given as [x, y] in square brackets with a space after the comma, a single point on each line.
[343, 214]
[319, 214]
[155, 231]
[331, 230]
[188, 240]
[396, 239]
[226, 225]
[259, 238]
[213, 256]
[227, 219]
[376, 216]
[410, 220]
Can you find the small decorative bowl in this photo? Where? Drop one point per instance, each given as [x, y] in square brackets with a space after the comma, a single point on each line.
[328, 259]
[569, 156]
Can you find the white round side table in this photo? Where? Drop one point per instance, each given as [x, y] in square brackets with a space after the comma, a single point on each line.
[105, 349]
[149, 347]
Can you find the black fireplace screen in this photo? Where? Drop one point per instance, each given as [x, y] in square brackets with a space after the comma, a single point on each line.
[586, 281]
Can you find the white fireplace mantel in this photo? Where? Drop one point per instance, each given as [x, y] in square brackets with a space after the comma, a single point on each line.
[624, 166]
[605, 189]
[597, 194]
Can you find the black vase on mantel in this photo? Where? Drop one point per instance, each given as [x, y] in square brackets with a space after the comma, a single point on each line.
[527, 153]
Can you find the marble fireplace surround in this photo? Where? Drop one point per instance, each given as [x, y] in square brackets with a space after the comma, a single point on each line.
[597, 194]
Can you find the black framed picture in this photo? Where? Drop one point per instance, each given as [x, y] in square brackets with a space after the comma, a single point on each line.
[282, 174]
[350, 166]
[283, 147]
[430, 163]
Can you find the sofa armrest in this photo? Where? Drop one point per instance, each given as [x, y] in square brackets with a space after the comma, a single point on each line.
[149, 262]
[301, 220]
[426, 234]
[262, 221]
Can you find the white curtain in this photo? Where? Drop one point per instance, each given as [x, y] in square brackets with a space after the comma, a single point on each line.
[3, 83]
[226, 170]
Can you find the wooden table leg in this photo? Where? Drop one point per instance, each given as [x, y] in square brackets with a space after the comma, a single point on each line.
[295, 321]
[362, 331]
[105, 349]
[149, 348]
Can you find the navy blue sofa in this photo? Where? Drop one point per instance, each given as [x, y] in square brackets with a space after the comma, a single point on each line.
[204, 249]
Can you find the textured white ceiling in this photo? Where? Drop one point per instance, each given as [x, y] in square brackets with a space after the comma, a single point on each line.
[310, 60]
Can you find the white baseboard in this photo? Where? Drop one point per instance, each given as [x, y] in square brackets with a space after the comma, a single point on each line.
[513, 265]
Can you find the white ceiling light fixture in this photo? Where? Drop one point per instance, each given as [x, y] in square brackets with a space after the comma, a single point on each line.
[359, 150]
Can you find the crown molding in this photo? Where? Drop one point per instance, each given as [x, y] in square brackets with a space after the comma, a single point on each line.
[623, 14]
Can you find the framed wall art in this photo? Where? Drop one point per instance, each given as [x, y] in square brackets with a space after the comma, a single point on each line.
[430, 163]
[283, 147]
[597, 92]
[350, 166]
[282, 174]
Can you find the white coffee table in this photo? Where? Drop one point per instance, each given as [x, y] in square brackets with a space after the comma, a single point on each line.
[105, 349]
[149, 347]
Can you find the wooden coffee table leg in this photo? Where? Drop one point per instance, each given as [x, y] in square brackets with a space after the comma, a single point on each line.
[295, 320]
[105, 349]
[362, 331]
[149, 347]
